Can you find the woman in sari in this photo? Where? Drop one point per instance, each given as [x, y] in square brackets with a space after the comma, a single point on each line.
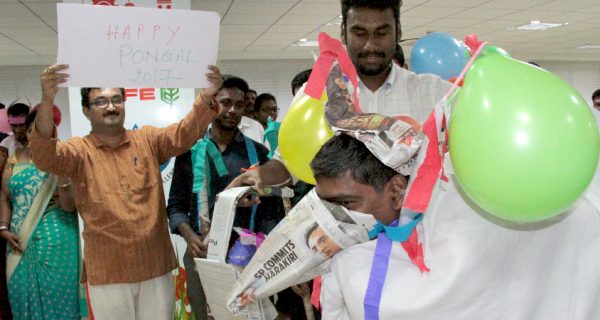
[37, 220]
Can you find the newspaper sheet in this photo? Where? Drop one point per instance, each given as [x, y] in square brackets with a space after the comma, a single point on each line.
[299, 248]
[395, 140]
[216, 275]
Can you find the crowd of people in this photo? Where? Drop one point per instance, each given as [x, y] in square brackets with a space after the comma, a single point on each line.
[111, 178]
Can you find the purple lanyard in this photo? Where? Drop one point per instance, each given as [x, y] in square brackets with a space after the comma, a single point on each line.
[377, 277]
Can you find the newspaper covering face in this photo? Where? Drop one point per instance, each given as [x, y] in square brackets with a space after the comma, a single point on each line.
[299, 249]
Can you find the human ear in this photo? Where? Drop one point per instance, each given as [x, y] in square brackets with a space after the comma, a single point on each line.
[343, 31]
[86, 112]
[398, 188]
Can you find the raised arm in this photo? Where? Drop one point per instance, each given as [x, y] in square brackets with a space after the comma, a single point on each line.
[180, 137]
[50, 78]
[60, 158]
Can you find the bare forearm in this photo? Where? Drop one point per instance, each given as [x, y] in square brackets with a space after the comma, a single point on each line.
[50, 79]
[273, 172]
[44, 121]
[5, 209]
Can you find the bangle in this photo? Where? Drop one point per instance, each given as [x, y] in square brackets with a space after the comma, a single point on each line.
[64, 185]
[3, 228]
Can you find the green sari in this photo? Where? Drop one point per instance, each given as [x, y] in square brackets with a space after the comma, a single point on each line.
[43, 281]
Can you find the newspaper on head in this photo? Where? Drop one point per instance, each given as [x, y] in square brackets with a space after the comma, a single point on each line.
[299, 249]
[394, 140]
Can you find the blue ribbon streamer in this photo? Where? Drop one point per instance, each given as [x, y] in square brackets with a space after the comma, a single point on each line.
[386, 235]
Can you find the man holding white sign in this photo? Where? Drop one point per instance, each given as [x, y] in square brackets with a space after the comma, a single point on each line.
[128, 253]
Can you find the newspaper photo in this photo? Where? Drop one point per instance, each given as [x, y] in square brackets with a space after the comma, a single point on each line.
[395, 140]
[299, 249]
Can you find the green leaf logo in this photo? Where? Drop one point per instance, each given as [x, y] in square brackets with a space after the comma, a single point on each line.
[169, 95]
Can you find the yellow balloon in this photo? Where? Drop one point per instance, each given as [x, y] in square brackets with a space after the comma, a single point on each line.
[302, 133]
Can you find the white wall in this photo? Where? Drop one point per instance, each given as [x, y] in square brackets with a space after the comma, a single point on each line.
[264, 76]
[274, 77]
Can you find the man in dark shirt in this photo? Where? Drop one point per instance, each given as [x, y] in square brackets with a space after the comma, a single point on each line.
[206, 170]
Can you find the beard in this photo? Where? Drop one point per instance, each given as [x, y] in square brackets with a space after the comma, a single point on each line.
[372, 69]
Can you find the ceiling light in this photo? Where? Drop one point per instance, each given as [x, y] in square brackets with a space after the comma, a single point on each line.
[538, 25]
[306, 43]
[589, 46]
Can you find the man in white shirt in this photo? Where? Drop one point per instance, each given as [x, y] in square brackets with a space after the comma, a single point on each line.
[16, 114]
[16, 118]
[480, 267]
[370, 30]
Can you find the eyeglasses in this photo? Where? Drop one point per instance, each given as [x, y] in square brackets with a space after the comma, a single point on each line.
[102, 103]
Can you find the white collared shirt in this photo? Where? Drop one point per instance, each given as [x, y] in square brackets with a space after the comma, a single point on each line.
[480, 268]
[404, 93]
[11, 144]
[252, 129]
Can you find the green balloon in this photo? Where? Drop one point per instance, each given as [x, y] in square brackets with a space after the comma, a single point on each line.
[523, 143]
[489, 49]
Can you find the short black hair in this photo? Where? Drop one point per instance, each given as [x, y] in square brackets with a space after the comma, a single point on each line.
[30, 119]
[261, 98]
[253, 91]
[17, 109]
[399, 55]
[300, 79]
[343, 154]
[596, 94]
[230, 82]
[85, 95]
[2, 106]
[372, 4]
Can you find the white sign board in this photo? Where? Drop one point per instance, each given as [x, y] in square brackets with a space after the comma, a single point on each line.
[112, 46]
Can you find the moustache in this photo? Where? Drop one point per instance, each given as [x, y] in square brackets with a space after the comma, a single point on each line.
[111, 113]
[372, 53]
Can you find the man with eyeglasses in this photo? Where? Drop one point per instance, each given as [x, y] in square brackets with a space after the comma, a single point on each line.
[128, 254]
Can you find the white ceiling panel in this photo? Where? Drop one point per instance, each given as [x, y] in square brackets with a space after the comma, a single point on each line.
[256, 7]
[318, 7]
[526, 16]
[458, 3]
[15, 10]
[216, 6]
[426, 11]
[266, 29]
[482, 13]
[260, 19]
[568, 5]
[303, 19]
[43, 9]
[513, 4]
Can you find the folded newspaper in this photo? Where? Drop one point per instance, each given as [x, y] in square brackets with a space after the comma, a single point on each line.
[217, 276]
[299, 249]
[394, 140]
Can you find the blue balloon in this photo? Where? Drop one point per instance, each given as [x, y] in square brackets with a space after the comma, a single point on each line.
[440, 54]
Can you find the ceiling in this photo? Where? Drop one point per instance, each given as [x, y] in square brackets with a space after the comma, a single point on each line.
[269, 29]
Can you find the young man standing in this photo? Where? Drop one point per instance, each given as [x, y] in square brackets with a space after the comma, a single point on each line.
[226, 152]
[128, 254]
[371, 29]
